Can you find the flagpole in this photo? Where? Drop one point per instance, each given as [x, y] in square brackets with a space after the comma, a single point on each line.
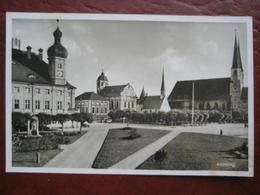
[192, 111]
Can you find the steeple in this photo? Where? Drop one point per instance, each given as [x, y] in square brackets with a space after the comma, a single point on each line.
[142, 95]
[237, 62]
[162, 85]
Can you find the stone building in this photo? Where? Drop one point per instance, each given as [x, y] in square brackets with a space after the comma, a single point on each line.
[156, 103]
[90, 102]
[223, 94]
[39, 86]
[121, 97]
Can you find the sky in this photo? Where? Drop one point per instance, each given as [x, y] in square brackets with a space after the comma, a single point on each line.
[136, 52]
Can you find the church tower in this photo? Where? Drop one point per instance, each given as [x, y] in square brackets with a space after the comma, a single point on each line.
[162, 86]
[237, 77]
[57, 55]
[102, 82]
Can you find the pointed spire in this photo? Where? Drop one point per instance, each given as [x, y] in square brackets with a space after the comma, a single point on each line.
[57, 33]
[237, 62]
[162, 85]
[142, 95]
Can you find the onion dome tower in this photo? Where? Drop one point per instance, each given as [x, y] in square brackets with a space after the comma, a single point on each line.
[57, 55]
[102, 82]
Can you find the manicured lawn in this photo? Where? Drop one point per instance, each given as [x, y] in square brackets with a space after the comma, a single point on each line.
[28, 159]
[116, 146]
[194, 151]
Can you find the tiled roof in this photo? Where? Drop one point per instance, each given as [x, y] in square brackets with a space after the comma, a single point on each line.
[112, 91]
[152, 102]
[244, 94]
[23, 68]
[90, 96]
[205, 89]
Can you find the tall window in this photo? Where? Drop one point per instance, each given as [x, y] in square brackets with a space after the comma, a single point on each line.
[117, 105]
[93, 110]
[37, 90]
[59, 92]
[47, 91]
[97, 110]
[27, 89]
[37, 104]
[27, 104]
[128, 105]
[16, 89]
[59, 104]
[208, 106]
[223, 106]
[47, 105]
[133, 105]
[125, 104]
[112, 105]
[105, 110]
[16, 104]
[216, 105]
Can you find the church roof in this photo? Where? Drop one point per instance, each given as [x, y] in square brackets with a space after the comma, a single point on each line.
[205, 89]
[152, 102]
[24, 69]
[90, 96]
[244, 94]
[112, 91]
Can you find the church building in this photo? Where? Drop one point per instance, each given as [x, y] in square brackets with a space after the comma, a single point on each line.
[156, 103]
[121, 97]
[227, 95]
[39, 86]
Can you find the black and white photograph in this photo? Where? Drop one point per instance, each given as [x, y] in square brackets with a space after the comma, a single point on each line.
[129, 94]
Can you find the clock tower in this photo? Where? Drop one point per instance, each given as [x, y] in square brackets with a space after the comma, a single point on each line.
[57, 55]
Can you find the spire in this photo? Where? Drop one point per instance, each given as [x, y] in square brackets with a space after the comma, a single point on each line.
[57, 33]
[237, 62]
[162, 85]
[142, 95]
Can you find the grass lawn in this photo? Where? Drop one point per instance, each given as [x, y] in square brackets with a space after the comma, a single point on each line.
[74, 138]
[28, 159]
[116, 147]
[194, 151]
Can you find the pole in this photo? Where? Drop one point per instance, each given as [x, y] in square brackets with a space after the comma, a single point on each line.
[192, 111]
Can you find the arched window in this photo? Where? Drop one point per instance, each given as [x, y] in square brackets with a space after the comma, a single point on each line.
[201, 106]
[216, 105]
[208, 106]
[223, 106]
[235, 73]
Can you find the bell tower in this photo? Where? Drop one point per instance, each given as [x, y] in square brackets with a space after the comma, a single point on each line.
[57, 55]
[236, 79]
[102, 82]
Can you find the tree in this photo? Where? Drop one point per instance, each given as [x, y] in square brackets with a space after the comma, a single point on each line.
[44, 120]
[62, 118]
[19, 120]
[82, 118]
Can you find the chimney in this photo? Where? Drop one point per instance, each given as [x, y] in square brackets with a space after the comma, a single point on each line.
[40, 53]
[29, 48]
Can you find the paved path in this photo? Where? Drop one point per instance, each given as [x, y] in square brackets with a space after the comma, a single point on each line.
[137, 158]
[82, 153]
[134, 160]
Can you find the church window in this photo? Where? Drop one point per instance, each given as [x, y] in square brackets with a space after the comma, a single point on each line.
[216, 105]
[223, 106]
[201, 106]
[16, 104]
[27, 104]
[208, 106]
